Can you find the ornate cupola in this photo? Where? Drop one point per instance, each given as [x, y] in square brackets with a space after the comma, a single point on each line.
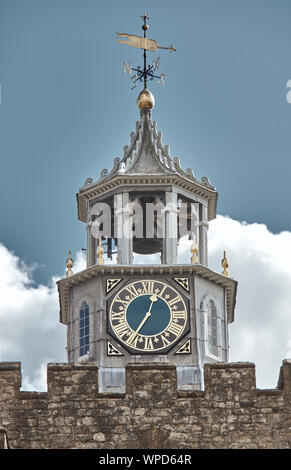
[120, 310]
[145, 178]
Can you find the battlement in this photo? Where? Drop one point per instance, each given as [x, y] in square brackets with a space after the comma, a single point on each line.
[230, 413]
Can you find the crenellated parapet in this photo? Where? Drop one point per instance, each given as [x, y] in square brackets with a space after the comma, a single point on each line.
[230, 413]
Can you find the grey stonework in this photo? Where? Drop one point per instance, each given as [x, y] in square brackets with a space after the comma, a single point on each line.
[231, 413]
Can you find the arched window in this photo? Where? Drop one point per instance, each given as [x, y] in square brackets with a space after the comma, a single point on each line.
[212, 328]
[84, 329]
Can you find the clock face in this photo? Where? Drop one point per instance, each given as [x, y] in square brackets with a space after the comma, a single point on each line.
[148, 316]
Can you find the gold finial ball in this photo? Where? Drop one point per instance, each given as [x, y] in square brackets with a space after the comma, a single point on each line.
[145, 100]
[70, 264]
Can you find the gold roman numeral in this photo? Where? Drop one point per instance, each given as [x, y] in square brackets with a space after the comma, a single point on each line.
[174, 300]
[162, 291]
[164, 341]
[148, 344]
[123, 302]
[179, 314]
[132, 291]
[132, 340]
[148, 287]
[122, 329]
[175, 329]
[117, 315]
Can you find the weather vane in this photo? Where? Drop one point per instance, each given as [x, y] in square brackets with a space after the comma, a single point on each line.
[148, 71]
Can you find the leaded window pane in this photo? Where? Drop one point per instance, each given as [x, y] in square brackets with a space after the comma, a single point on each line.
[212, 327]
[84, 329]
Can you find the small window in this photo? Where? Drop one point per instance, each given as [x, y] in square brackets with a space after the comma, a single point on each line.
[84, 329]
[212, 328]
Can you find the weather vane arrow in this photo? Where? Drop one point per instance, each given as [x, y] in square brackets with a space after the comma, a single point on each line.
[142, 43]
[139, 42]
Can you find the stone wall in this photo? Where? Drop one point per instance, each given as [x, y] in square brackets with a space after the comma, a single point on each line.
[230, 413]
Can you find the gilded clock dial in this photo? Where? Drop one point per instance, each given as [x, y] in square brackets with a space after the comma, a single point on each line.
[148, 315]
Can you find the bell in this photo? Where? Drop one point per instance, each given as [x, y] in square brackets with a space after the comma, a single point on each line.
[143, 244]
[147, 246]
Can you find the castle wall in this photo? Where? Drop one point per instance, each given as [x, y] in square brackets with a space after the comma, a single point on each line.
[230, 413]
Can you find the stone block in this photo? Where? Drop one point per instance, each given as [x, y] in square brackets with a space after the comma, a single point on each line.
[284, 382]
[224, 381]
[72, 381]
[154, 381]
[10, 380]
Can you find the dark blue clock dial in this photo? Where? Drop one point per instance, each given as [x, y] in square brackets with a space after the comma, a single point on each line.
[148, 316]
[158, 320]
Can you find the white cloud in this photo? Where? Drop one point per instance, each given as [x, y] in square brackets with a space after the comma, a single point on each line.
[29, 328]
[261, 263]
[30, 331]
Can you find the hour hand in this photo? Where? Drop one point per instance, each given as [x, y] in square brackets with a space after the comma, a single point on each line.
[153, 299]
[147, 315]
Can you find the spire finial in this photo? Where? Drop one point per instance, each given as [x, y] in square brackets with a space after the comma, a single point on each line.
[145, 26]
[194, 251]
[100, 252]
[225, 265]
[70, 264]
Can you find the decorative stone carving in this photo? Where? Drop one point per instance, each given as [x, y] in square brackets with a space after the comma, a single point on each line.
[145, 143]
[87, 183]
[206, 182]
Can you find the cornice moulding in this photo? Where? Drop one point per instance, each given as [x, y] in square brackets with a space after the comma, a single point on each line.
[120, 270]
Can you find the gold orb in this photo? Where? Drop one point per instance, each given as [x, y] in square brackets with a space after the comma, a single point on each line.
[145, 100]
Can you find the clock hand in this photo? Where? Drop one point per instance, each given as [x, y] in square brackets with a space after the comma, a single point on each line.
[153, 298]
[147, 315]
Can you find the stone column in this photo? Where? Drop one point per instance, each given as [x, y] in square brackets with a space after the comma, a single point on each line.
[10, 381]
[92, 254]
[170, 243]
[203, 227]
[91, 245]
[123, 217]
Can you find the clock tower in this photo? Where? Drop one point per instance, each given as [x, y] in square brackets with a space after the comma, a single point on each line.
[121, 309]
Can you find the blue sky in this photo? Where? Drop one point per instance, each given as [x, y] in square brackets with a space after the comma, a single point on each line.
[67, 110]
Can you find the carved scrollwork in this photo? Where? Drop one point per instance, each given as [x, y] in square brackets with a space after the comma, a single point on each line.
[176, 160]
[116, 163]
[206, 182]
[125, 150]
[104, 173]
[171, 165]
[190, 173]
[167, 149]
[87, 183]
